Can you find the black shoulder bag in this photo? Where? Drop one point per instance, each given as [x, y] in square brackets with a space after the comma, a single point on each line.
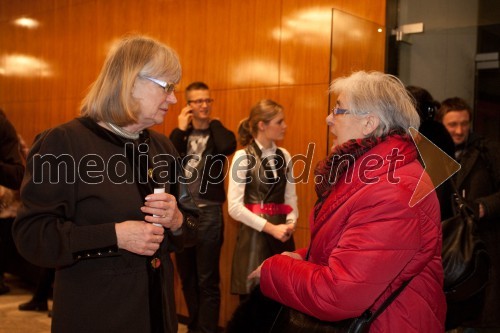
[466, 262]
[260, 314]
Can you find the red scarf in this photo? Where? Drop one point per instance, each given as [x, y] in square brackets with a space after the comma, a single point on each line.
[325, 170]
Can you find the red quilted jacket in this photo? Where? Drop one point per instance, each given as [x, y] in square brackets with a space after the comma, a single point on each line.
[366, 237]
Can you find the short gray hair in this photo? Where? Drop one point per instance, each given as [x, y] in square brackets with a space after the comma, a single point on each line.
[382, 94]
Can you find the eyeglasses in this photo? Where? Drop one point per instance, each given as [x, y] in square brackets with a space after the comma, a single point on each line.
[168, 87]
[200, 101]
[336, 110]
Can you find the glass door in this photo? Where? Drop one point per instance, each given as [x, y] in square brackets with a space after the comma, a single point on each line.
[456, 55]
[356, 44]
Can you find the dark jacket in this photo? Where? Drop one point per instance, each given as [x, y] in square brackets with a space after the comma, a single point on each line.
[69, 224]
[479, 177]
[221, 144]
[11, 164]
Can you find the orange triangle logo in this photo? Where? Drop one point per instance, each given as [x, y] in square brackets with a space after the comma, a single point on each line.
[438, 167]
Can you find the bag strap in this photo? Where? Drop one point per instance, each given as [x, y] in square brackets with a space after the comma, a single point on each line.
[389, 299]
[462, 206]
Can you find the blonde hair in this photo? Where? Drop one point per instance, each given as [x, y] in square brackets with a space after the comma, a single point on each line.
[382, 94]
[265, 110]
[110, 96]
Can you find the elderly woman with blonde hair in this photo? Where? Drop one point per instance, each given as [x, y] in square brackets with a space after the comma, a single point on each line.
[99, 220]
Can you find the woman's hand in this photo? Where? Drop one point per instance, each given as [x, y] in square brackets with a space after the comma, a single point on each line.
[139, 237]
[281, 232]
[162, 209]
[255, 274]
[293, 255]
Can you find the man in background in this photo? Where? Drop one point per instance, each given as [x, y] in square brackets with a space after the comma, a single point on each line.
[204, 144]
[478, 181]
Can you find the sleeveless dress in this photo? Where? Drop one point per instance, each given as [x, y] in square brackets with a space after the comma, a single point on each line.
[253, 247]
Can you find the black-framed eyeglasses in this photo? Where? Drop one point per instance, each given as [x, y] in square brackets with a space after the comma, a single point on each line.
[168, 87]
[200, 101]
[336, 110]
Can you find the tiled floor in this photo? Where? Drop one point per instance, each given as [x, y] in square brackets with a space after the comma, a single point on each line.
[14, 321]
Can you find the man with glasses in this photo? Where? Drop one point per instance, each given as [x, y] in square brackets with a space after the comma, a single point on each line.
[204, 144]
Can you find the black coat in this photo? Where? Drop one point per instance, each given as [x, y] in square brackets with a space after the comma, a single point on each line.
[70, 225]
[479, 177]
[11, 164]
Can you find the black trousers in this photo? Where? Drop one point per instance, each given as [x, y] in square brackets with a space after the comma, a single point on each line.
[8, 252]
[44, 285]
[198, 268]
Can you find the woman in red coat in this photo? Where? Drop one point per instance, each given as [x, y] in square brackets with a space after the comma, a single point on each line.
[366, 237]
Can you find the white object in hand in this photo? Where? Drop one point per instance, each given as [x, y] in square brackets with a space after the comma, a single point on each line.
[158, 190]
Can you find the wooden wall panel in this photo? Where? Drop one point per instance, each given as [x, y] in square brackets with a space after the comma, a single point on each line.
[305, 40]
[225, 46]
[306, 108]
[8, 10]
[244, 50]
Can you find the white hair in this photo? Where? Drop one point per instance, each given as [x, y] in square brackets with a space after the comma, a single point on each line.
[381, 94]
